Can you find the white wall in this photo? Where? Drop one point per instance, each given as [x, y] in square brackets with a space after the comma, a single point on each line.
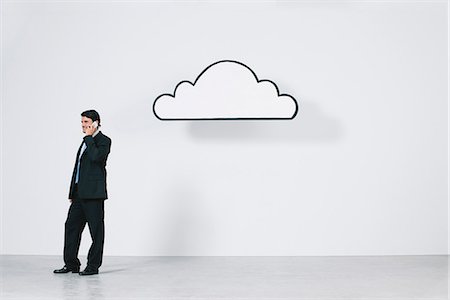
[362, 170]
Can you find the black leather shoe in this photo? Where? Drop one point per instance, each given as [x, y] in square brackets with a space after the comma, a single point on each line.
[88, 272]
[65, 269]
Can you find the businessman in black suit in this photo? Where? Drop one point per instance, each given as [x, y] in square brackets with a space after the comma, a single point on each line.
[87, 195]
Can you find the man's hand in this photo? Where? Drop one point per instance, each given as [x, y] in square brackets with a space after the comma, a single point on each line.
[90, 130]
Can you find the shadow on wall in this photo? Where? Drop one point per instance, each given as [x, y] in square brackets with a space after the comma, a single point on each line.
[310, 124]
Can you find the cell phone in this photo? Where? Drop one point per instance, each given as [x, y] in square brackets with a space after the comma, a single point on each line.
[95, 124]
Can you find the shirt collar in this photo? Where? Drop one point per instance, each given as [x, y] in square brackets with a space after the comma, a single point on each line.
[96, 132]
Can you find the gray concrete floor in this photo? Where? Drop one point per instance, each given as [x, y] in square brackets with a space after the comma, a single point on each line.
[230, 277]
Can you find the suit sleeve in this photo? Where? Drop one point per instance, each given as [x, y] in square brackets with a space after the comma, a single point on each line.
[97, 151]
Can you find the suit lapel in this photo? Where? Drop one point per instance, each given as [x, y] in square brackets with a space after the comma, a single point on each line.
[84, 153]
[79, 149]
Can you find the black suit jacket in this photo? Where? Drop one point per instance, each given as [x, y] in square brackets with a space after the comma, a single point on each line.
[92, 178]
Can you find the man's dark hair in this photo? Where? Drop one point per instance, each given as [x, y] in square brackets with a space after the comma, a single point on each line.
[91, 114]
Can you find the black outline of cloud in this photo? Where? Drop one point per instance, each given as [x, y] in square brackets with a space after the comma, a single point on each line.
[209, 119]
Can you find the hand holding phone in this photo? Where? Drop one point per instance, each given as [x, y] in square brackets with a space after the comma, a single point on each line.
[91, 128]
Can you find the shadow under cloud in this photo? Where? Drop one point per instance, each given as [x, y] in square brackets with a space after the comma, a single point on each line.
[310, 125]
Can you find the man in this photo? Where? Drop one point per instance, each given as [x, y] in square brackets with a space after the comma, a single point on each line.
[87, 194]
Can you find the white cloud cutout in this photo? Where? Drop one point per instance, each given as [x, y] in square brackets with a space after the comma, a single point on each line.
[225, 90]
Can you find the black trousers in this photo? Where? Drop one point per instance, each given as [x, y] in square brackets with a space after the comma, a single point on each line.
[81, 211]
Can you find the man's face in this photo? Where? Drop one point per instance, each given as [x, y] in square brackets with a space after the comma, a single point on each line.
[85, 122]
